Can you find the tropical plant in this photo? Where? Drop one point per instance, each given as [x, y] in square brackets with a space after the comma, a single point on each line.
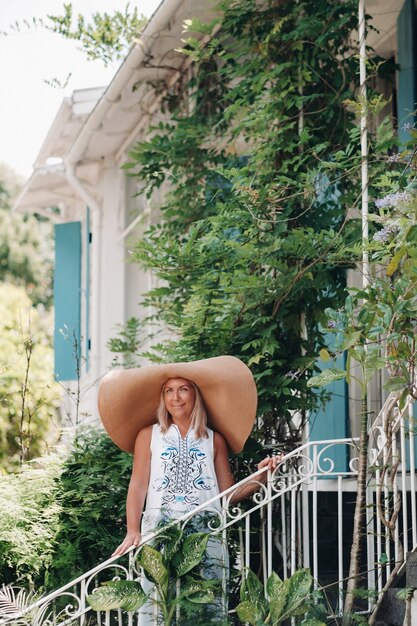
[177, 566]
[281, 600]
[13, 600]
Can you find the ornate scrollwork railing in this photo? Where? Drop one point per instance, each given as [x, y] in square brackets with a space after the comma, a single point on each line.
[278, 528]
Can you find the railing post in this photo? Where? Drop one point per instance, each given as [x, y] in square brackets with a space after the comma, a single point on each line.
[403, 469]
[370, 538]
[340, 540]
[224, 551]
[293, 532]
[411, 438]
[269, 523]
[315, 546]
[82, 602]
[305, 514]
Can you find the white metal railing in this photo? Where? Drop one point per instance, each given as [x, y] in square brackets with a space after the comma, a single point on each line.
[392, 516]
[291, 516]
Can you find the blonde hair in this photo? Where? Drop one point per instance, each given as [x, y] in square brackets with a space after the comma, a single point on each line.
[198, 414]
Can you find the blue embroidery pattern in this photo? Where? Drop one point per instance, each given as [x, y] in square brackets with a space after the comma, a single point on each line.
[184, 466]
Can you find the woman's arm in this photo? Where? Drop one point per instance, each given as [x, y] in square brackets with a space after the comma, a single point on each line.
[137, 491]
[224, 474]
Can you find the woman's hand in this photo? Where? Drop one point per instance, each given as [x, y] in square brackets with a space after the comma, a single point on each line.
[131, 539]
[269, 462]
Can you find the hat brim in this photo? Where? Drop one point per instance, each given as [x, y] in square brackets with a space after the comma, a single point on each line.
[128, 399]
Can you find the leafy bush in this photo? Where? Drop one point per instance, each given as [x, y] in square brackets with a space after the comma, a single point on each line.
[29, 396]
[29, 520]
[61, 517]
[91, 493]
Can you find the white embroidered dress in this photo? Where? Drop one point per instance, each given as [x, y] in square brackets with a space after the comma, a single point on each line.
[182, 475]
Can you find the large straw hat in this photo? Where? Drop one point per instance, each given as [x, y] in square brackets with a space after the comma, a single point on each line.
[128, 399]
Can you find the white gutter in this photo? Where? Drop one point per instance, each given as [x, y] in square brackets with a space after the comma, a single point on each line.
[38, 173]
[136, 56]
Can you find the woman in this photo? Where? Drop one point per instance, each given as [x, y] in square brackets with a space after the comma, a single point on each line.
[180, 462]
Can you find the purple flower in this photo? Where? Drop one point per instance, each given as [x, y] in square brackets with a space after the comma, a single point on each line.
[293, 374]
[385, 233]
[394, 158]
[391, 200]
[331, 324]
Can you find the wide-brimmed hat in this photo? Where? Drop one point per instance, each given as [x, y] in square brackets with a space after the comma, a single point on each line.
[128, 399]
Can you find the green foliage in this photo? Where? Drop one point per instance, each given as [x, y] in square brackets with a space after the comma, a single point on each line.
[26, 255]
[286, 599]
[91, 494]
[128, 342]
[175, 561]
[106, 36]
[193, 549]
[62, 516]
[29, 397]
[376, 326]
[25, 244]
[29, 520]
[124, 594]
[262, 158]
[406, 593]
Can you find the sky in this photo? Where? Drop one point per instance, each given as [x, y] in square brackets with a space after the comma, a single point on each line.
[29, 58]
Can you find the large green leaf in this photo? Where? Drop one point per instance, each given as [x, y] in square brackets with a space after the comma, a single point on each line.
[252, 590]
[153, 565]
[326, 377]
[351, 339]
[170, 539]
[191, 553]
[118, 594]
[200, 591]
[273, 584]
[298, 592]
[249, 613]
[278, 592]
[396, 383]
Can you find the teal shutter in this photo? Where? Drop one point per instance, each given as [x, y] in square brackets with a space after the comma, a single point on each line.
[87, 291]
[67, 300]
[407, 73]
[331, 421]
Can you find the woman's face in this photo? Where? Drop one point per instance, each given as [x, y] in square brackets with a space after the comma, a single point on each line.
[179, 397]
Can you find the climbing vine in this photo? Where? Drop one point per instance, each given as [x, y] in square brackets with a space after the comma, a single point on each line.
[261, 155]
